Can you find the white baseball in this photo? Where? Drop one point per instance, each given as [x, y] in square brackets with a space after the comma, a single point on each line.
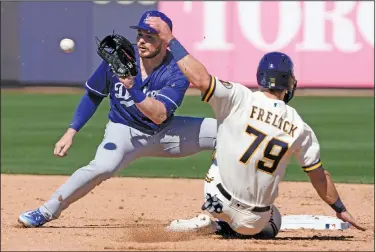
[67, 45]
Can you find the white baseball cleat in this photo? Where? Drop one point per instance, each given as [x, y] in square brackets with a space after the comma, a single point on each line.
[198, 223]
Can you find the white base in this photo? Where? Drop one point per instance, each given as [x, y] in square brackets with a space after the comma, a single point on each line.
[317, 222]
[199, 222]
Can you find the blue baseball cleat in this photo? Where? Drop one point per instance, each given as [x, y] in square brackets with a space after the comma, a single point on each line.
[32, 219]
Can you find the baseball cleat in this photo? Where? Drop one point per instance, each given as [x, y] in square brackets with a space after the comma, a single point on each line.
[32, 219]
[197, 223]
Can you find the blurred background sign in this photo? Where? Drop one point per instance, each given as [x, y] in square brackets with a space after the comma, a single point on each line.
[331, 43]
[31, 33]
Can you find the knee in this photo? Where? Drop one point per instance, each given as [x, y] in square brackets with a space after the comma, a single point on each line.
[211, 126]
[212, 122]
[208, 134]
[247, 231]
[102, 171]
[271, 229]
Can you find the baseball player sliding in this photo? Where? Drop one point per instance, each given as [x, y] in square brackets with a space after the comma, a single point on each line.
[145, 88]
[257, 134]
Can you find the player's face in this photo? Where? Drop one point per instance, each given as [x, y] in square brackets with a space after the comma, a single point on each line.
[149, 45]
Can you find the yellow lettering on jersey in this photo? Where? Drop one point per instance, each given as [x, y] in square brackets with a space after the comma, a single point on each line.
[274, 121]
[284, 126]
[260, 115]
[293, 128]
[254, 108]
[278, 122]
[268, 117]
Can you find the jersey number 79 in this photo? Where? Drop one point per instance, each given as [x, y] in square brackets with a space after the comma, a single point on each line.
[272, 155]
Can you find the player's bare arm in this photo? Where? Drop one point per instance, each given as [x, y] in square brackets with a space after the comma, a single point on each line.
[195, 72]
[327, 191]
[150, 107]
[308, 155]
[153, 109]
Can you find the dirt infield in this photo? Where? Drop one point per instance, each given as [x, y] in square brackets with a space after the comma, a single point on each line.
[193, 91]
[130, 213]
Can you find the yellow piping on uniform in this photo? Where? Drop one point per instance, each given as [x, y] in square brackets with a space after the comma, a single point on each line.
[312, 167]
[211, 89]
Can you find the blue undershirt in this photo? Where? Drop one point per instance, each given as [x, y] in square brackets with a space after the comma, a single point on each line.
[85, 110]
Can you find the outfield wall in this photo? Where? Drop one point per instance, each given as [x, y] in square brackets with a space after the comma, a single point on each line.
[331, 43]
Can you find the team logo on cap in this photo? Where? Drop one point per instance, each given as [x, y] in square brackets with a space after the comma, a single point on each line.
[147, 15]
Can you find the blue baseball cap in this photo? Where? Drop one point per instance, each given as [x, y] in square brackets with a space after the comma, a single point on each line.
[154, 13]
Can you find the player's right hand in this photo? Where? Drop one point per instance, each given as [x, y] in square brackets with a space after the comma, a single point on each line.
[128, 81]
[161, 27]
[346, 217]
[65, 142]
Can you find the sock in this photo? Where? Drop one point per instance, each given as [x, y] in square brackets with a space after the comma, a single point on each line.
[46, 213]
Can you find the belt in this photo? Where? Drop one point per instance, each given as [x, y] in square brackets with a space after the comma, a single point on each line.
[228, 196]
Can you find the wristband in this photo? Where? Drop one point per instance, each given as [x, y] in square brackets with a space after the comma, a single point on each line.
[338, 206]
[137, 95]
[177, 50]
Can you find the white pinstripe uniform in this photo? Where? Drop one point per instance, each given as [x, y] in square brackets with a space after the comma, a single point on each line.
[256, 137]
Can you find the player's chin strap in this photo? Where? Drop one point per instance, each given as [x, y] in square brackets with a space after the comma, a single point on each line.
[212, 204]
[290, 93]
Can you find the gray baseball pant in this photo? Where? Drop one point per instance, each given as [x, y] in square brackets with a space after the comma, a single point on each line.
[184, 136]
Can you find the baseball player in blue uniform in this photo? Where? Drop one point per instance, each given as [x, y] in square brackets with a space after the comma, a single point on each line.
[141, 119]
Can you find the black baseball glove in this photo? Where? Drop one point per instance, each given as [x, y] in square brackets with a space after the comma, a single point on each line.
[119, 53]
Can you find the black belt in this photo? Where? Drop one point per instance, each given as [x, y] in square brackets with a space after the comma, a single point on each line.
[228, 196]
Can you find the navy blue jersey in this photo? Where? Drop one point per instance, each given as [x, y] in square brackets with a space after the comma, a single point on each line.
[166, 84]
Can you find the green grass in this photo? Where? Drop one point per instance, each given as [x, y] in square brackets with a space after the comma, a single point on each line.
[31, 125]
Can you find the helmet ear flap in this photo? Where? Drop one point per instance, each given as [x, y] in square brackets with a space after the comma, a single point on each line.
[291, 90]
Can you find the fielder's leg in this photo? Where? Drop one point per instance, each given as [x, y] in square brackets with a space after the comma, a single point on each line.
[186, 136]
[121, 145]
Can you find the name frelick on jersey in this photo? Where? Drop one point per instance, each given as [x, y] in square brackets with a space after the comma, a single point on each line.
[273, 119]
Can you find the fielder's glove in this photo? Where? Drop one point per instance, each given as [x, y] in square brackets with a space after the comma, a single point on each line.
[119, 53]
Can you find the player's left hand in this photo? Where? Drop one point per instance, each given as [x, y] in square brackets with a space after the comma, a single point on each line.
[119, 53]
[346, 217]
[161, 27]
[128, 81]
